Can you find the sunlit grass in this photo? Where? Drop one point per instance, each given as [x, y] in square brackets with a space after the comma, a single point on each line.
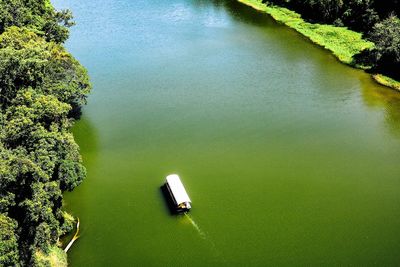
[387, 81]
[55, 258]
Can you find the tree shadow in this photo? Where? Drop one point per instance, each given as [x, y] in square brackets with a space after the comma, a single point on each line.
[386, 99]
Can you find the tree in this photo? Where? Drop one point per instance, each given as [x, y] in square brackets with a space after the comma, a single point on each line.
[386, 54]
[387, 8]
[40, 86]
[56, 29]
[39, 16]
[29, 61]
[71, 174]
[359, 15]
[8, 242]
[13, 12]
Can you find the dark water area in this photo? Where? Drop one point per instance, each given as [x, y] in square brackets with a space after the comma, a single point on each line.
[290, 158]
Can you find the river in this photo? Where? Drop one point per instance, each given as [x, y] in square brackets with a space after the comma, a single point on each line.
[290, 157]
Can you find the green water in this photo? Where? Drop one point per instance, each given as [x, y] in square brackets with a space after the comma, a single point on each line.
[290, 158]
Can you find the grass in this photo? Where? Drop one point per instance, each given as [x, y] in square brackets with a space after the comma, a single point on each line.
[387, 81]
[55, 258]
[342, 42]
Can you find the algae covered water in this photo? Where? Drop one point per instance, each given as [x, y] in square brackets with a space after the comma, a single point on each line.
[290, 158]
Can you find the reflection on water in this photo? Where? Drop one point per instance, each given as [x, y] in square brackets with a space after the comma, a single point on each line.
[86, 136]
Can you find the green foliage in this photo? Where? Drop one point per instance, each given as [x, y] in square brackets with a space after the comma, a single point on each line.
[56, 29]
[38, 15]
[40, 87]
[71, 174]
[27, 60]
[387, 81]
[8, 242]
[386, 54]
[359, 15]
[68, 223]
[56, 257]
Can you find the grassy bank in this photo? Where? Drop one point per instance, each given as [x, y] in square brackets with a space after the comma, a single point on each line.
[342, 42]
[387, 81]
[56, 257]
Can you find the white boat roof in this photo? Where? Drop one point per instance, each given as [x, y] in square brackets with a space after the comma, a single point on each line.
[177, 189]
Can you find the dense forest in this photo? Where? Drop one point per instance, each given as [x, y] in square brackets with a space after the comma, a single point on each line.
[42, 88]
[377, 20]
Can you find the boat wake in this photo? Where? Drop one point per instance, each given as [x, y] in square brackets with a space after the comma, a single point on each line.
[203, 235]
[196, 226]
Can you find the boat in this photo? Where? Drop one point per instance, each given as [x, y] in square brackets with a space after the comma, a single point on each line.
[178, 194]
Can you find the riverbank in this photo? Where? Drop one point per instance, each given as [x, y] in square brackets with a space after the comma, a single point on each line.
[342, 42]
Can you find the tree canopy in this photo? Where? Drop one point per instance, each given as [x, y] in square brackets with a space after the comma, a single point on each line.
[41, 85]
[386, 54]
[38, 15]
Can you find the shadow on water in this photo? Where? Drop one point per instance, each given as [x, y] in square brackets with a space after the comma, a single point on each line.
[244, 13]
[386, 99]
[87, 138]
[169, 204]
[85, 135]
